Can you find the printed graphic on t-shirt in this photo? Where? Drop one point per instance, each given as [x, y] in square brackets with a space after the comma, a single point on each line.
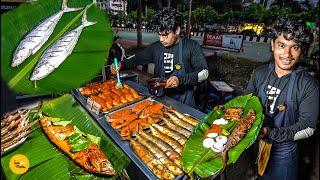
[272, 95]
[168, 62]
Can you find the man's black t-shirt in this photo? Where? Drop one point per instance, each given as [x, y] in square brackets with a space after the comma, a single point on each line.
[305, 94]
[276, 91]
[166, 60]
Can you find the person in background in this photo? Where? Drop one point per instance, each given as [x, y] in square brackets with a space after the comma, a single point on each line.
[290, 98]
[178, 60]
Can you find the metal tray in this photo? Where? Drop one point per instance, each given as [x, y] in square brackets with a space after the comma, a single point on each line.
[95, 107]
[147, 130]
[125, 145]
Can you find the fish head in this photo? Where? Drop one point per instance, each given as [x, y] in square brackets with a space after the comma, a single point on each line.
[19, 56]
[102, 165]
[40, 72]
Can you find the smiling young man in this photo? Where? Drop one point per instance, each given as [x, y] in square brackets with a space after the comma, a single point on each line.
[178, 60]
[290, 97]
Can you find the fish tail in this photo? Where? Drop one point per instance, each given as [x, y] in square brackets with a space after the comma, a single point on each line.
[85, 22]
[65, 7]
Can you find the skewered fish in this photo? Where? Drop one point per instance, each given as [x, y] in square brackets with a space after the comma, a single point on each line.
[91, 159]
[186, 118]
[162, 157]
[175, 127]
[9, 117]
[59, 50]
[20, 129]
[14, 129]
[238, 133]
[172, 142]
[152, 162]
[36, 38]
[20, 138]
[179, 122]
[171, 153]
[12, 125]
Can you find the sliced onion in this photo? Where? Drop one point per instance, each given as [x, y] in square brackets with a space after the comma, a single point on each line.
[215, 150]
[218, 146]
[222, 139]
[212, 135]
[220, 121]
[208, 142]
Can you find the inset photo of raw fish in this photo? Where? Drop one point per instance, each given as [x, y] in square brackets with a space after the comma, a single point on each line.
[54, 46]
[59, 50]
[37, 37]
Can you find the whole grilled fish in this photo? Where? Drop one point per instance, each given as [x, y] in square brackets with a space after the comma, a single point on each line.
[162, 157]
[36, 38]
[91, 159]
[179, 122]
[170, 152]
[172, 142]
[238, 134]
[175, 135]
[59, 50]
[152, 162]
[186, 118]
[177, 128]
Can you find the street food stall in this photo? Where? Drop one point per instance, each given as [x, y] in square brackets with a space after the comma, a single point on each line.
[97, 130]
[160, 136]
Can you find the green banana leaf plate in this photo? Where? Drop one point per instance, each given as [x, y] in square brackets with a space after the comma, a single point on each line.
[85, 62]
[203, 162]
[47, 161]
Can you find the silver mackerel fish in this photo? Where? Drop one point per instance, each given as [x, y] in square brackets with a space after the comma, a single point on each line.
[35, 39]
[59, 50]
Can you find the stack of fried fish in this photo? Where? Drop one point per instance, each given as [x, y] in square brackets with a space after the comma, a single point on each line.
[108, 96]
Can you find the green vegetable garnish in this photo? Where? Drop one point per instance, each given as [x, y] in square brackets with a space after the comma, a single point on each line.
[74, 138]
[229, 125]
[76, 130]
[94, 139]
[81, 144]
[35, 115]
[52, 119]
[61, 123]
[225, 132]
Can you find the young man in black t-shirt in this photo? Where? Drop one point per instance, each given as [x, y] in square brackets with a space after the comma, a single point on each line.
[290, 97]
[179, 60]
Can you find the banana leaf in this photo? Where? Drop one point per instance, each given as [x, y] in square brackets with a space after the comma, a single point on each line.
[203, 161]
[47, 161]
[86, 60]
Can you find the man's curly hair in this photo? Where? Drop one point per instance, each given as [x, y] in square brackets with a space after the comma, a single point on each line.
[166, 20]
[292, 29]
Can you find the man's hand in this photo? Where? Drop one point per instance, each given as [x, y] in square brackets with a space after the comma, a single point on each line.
[263, 132]
[113, 69]
[172, 82]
